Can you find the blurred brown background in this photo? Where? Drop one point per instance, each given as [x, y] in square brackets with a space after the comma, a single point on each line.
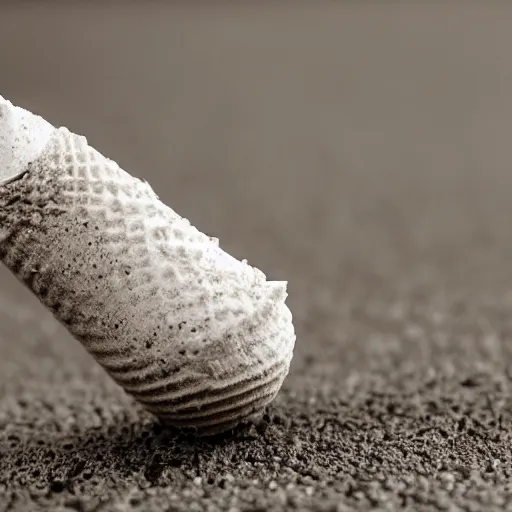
[360, 150]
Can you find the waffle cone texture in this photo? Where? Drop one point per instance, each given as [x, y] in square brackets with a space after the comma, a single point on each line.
[201, 339]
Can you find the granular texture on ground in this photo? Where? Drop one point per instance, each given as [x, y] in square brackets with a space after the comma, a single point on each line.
[360, 151]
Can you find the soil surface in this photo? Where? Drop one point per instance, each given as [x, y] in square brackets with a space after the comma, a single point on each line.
[361, 151]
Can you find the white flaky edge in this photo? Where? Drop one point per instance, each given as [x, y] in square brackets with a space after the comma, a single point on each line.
[23, 137]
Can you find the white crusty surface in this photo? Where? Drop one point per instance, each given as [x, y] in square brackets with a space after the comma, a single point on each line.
[23, 136]
[203, 340]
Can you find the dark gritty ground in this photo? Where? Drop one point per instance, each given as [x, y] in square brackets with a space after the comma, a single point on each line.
[363, 153]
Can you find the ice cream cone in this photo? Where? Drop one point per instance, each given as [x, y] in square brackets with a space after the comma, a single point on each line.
[198, 337]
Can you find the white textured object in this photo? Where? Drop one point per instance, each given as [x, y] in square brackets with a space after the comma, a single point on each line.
[203, 340]
[23, 136]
